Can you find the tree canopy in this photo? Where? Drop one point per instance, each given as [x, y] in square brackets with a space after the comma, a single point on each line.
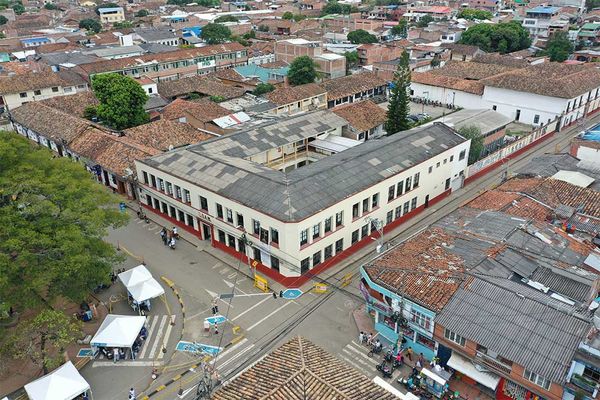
[122, 24]
[559, 47]
[504, 37]
[215, 33]
[333, 7]
[302, 70]
[424, 21]
[399, 104]
[473, 133]
[474, 14]
[3, 20]
[351, 60]
[44, 339]
[50, 6]
[122, 100]
[401, 29]
[287, 15]
[263, 88]
[18, 8]
[90, 25]
[142, 13]
[227, 18]
[53, 217]
[361, 36]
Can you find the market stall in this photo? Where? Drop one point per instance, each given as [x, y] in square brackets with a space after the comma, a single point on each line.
[64, 383]
[141, 287]
[119, 332]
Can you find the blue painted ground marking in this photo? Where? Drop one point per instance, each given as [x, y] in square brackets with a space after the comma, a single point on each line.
[217, 319]
[85, 353]
[198, 348]
[291, 294]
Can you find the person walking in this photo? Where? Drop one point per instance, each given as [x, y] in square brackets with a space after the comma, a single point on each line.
[215, 307]
[175, 233]
[132, 393]
[409, 353]
[163, 235]
[361, 337]
[369, 338]
[421, 361]
[172, 243]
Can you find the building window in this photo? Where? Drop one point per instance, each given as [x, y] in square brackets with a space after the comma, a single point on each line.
[37, 92]
[536, 119]
[339, 246]
[364, 231]
[355, 210]
[229, 215]
[453, 337]
[420, 319]
[537, 379]
[203, 203]
[255, 227]
[221, 236]
[447, 184]
[339, 219]
[177, 192]
[257, 256]
[161, 184]
[240, 220]
[355, 236]
[390, 217]
[365, 207]
[231, 241]
[264, 235]
[316, 258]
[145, 175]
[304, 265]
[400, 188]
[23, 95]
[169, 188]
[451, 158]
[55, 89]
[328, 252]
[328, 225]
[437, 165]
[303, 237]
[416, 180]
[274, 236]
[461, 156]
[275, 263]
[431, 169]
[413, 203]
[408, 184]
[398, 212]
[494, 107]
[316, 231]
[241, 246]
[186, 196]
[219, 211]
[375, 201]
[406, 207]
[391, 193]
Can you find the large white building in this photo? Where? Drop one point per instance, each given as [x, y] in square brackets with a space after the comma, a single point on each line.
[300, 192]
[531, 94]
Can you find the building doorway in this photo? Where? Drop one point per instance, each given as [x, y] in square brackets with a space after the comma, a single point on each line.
[426, 201]
[205, 232]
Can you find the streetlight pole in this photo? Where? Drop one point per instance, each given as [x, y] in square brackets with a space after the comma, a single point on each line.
[247, 243]
[378, 224]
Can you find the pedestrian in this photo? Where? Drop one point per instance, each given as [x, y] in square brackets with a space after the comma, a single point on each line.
[215, 306]
[409, 352]
[369, 338]
[361, 337]
[115, 354]
[163, 235]
[175, 233]
[132, 393]
[420, 361]
[216, 329]
[172, 243]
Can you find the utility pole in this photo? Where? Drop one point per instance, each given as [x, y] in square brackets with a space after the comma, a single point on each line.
[378, 224]
[247, 243]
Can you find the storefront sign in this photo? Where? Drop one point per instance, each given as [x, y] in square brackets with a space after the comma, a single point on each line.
[204, 216]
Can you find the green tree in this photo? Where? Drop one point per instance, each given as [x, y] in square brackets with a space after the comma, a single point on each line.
[50, 6]
[122, 100]
[3, 20]
[424, 21]
[90, 25]
[333, 7]
[299, 17]
[263, 28]
[473, 133]
[287, 15]
[18, 8]
[263, 88]
[559, 47]
[302, 70]
[123, 25]
[142, 13]
[474, 14]
[435, 61]
[53, 218]
[105, 5]
[216, 98]
[361, 36]
[44, 339]
[227, 18]
[399, 104]
[401, 29]
[215, 33]
[249, 35]
[351, 60]
[504, 37]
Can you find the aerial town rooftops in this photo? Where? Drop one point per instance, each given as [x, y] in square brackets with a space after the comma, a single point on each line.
[74, 104]
[363, 115]
[220, 164]
[33, 81]
[208, 86]
[164, 135]
[293, 94]
[204, 110]
[351, 84]
[288, 371]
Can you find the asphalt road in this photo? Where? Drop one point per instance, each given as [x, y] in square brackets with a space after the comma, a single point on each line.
[201, 272]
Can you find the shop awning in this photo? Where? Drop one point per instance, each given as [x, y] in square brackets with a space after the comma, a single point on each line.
[434, 376]
[118, 331]
[463, 365]
[383, 384]
[64, 383]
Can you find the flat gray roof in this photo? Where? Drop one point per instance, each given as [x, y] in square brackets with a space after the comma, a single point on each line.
[485, 120]
[218, 164]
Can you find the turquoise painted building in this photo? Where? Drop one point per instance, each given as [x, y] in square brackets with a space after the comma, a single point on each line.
[397, 316]
[263, 74]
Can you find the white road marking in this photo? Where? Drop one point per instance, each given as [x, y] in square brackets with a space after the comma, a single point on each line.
[153, 228]
[268, 316]
[158, 336]
[224, 271]
[361, 354]
[198, 314]
[235, 356]
[232, 275]
[150, 331]
[216, 266]
[165, 340]
[251, 308]
[132, 363]
[229, 350]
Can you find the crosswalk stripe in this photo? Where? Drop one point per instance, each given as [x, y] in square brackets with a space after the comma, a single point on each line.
[360, 353]
[352, 364]
[150, 331]
[159, 334]
[165, 340]
[351, 355]
[235, 356]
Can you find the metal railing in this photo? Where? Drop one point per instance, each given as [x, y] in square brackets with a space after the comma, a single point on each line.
[493, 363]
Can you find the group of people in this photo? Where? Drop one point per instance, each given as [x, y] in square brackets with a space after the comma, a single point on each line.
[169, 237]
[398, 350]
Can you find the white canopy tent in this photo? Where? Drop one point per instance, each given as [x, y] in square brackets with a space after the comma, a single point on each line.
[135, 276]
[146, 290]
[118, 331]
[64, 383]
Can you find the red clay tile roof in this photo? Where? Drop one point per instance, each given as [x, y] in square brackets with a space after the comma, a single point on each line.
[362, 115]
[351, 84]
[31, 81]
[292, 94]
[163, 134]
[208, 86]
[301, 370]
[428, 78]
[204, 110]
[511, 203]
[421, 268]
[74, 104]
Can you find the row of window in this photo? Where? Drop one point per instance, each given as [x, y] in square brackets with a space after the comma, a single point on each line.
[226, 214]
[23, 95]
[236, 243]
[185, 63]
[326, 254]
[581, 100]
[170, 210]
[327, 227]
[403, 186]
[174, 191]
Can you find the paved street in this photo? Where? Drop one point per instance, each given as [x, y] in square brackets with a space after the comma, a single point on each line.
[201, 272]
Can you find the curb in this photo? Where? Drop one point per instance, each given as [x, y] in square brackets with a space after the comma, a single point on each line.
[171, 284]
